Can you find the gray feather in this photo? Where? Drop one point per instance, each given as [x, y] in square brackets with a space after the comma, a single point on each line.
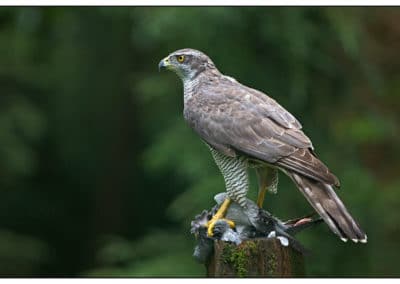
[328, 205]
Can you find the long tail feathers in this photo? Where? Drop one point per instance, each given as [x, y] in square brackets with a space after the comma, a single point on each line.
[328, 205]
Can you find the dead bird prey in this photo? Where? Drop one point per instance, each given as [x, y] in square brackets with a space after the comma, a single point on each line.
[250, 223]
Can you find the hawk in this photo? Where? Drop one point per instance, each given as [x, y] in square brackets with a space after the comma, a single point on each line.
[244, 128]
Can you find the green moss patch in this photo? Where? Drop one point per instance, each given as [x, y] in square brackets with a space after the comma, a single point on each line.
[238, 256]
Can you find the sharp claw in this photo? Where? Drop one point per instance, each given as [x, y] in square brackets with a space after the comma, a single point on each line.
[210, 230]
[210, 227]
[230, 223]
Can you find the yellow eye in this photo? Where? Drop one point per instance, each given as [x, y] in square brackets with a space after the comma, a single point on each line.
[181, 58]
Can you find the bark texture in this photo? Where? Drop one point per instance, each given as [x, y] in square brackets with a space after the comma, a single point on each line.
[255, 258]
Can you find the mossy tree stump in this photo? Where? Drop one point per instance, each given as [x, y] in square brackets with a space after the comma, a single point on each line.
[255, 258]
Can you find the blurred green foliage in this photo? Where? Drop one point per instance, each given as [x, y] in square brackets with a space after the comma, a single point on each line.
[100, 175]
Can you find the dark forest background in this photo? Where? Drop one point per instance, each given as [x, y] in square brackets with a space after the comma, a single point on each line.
[100, 175]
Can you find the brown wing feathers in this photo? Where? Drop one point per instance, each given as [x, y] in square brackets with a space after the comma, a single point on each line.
[305, 163]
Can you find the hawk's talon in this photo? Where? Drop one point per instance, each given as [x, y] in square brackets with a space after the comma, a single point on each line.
[211, 225]
[219, 215]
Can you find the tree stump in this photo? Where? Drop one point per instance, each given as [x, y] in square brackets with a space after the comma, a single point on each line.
[255, 258]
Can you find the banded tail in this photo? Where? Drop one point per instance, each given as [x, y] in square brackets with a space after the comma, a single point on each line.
[328, 205]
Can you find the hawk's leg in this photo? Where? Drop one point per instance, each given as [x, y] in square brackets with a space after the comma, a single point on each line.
[261, 196]
[234, 171]
[267, 180]
[218, 216]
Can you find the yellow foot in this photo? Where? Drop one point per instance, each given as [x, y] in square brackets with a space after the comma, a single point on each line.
[211, 225]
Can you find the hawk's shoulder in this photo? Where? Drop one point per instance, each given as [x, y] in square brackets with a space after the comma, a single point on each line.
[226, 112]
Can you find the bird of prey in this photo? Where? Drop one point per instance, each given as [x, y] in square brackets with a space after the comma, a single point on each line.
[244, 128]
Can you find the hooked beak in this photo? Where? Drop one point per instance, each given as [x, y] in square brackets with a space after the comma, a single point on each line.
[163, 64]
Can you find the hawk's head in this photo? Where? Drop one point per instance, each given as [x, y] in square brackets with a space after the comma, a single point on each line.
[187, 63]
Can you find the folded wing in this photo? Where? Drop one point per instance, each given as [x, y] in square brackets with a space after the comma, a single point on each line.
[234, 118]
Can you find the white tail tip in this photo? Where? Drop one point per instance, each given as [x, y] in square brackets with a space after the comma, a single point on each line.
[364, 241]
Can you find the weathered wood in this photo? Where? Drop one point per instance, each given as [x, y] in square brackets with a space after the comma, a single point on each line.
[255, 258]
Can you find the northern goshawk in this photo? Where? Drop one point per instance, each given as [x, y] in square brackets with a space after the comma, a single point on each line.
[245, 128]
